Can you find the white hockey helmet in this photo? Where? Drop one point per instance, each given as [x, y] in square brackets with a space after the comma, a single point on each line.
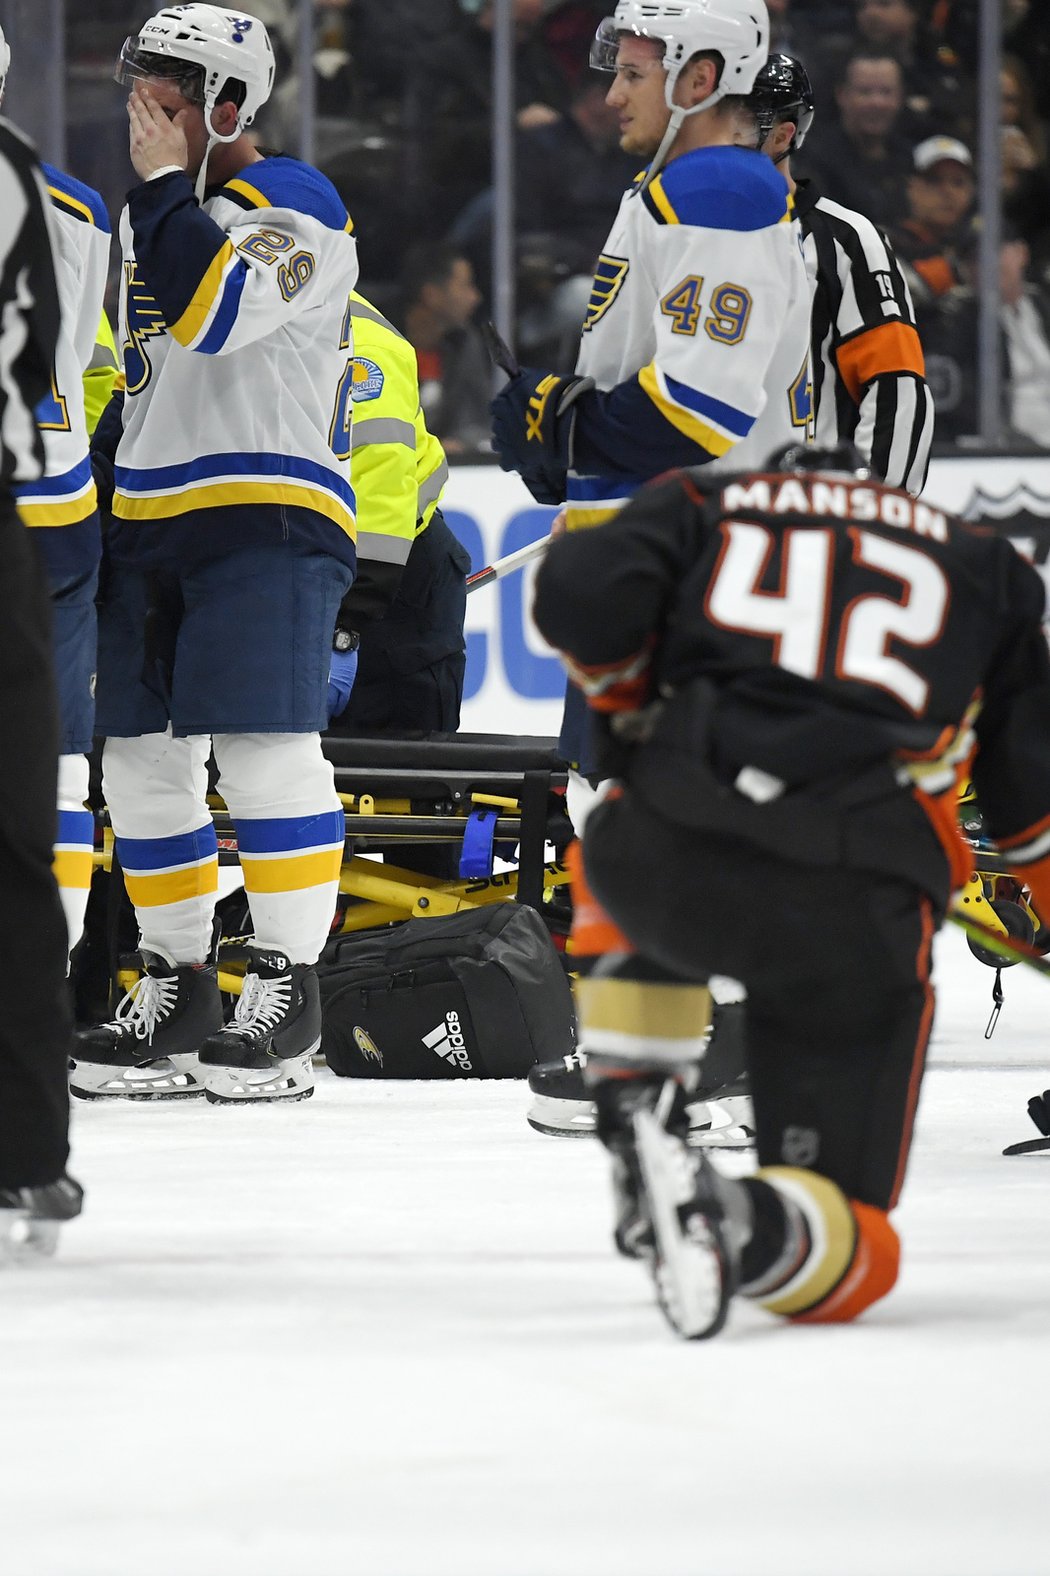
[224, 45]
[5, 61]
[737, 29]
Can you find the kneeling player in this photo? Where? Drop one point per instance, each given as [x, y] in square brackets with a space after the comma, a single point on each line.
[793, 669]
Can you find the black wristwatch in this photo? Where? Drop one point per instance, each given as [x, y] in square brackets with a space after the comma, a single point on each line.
[345, 639]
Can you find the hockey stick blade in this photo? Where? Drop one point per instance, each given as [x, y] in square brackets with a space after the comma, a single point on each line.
[1031, 1146]
[501, 353]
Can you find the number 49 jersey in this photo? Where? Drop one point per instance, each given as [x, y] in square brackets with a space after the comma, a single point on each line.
[237, 346]
[697, 332]
[817, 641]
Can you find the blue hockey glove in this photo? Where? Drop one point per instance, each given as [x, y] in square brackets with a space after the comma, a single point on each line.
[341, 676]
[532, 429]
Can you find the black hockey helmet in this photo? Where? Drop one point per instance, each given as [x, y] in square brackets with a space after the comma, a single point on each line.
[839, 459]
[782, 91]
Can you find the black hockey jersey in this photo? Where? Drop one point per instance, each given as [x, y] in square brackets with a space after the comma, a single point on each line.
[817, 660]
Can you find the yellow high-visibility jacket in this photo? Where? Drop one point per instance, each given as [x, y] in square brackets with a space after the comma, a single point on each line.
[102, 375]
[398, 468]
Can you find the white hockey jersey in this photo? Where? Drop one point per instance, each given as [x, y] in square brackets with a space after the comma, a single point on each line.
[62, 503]
[238, 358]
[697, 331]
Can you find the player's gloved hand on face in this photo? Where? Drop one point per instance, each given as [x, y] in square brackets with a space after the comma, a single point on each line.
[532, 429]
[341, 676]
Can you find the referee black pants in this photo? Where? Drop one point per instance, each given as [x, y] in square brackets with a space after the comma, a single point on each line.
[35, 1019]
[836, 965]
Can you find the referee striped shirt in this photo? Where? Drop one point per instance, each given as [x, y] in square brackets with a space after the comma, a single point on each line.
[29, 307]
[869, 382]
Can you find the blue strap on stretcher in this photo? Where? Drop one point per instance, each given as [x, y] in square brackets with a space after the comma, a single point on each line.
[475, 859]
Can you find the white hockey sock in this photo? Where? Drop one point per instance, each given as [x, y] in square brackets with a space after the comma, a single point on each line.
[75, 843]
[291, 831]
[155, 787]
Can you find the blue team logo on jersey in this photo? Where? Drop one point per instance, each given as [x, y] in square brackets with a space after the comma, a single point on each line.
[368, 380]
[608, 282]
[144, 321]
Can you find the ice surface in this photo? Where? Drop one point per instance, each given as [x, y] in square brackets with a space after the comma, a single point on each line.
[382, 1333]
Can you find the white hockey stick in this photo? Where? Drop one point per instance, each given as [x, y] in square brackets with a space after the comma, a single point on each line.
[508, 565]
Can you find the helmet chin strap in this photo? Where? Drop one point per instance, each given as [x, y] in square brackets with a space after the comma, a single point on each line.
[678, 114]
[214, 137]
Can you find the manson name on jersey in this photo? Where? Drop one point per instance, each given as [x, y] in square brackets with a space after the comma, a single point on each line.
[842, 500]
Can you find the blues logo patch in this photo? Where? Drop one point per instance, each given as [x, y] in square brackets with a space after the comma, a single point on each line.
[145, 321]
[368, 379]
[608, 282]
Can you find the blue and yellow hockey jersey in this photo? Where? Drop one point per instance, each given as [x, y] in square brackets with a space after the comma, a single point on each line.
[697, 330]
[237, 345]
[61, 504]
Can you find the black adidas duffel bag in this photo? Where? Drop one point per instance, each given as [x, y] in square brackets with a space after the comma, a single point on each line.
[479, 994]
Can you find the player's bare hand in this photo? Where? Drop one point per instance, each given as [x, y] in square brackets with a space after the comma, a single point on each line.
[154, 140]
[559, 524]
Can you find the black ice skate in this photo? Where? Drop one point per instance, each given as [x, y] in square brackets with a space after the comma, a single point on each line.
[266, 1051]
[562, 1102]
[30, 1218]
[721, 1116]
[693, 1265]
[149, 1050]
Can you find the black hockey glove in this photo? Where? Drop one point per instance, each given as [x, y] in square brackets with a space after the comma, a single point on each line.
[532, 429]
[104, 440]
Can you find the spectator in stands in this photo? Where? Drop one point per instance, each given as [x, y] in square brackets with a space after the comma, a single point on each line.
[1026, 35]
[572, 175]
[932, 239]
[950, 337]
[381, 29]
[933, 85]
[807, 31]
[568, 28]
[456, 85]
[863, 161]
[1025, 177]
[1025, 317]
[440, 299]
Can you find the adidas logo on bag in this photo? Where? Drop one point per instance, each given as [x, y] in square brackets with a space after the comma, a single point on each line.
[447, 1040]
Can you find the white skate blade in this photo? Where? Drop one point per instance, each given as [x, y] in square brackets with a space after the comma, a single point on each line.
[292, 1079]
[728, 1123]
[171, 1078]
[24, 1239]
[688, 1267]
[562, 1118]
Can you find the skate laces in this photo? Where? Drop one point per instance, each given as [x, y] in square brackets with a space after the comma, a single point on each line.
[147, 1002]
[262, 1003]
